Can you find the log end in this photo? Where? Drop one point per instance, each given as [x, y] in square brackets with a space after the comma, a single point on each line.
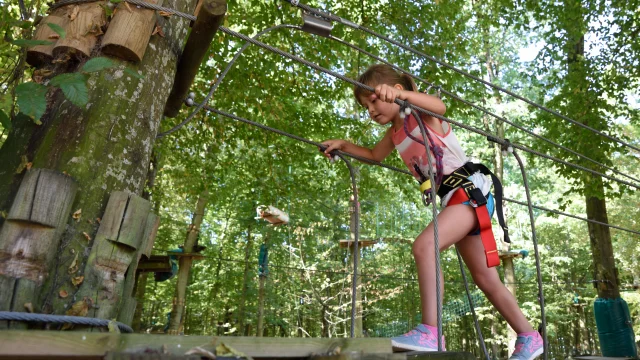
[121, 52]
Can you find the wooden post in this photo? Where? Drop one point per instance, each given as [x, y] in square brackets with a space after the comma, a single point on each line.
[129, 32]
[83, 28]
[263, 279]
[30, 236]
[209, 19]
[113, 252]
[40, 55]
[358, 295]
[185, 264]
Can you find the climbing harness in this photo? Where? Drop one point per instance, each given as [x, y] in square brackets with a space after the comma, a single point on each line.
[466, 192]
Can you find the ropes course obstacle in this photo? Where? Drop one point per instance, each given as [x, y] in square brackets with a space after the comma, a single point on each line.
[320, 27]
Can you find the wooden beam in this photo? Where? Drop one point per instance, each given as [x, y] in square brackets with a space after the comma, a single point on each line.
[362, 243]
[156, 263]
[209, 19]
[60, 343]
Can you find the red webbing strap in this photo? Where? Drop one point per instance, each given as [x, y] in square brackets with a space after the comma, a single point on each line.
[484, 222]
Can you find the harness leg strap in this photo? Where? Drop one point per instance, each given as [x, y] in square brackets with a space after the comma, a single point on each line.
[484, 222]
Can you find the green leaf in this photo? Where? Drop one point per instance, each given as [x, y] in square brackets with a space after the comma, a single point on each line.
[31, 99]
[23, 24]
[74, 87]
[58, 29]
[134, 73]
[25, 42]
[115, 1]
[5, 121]
[97, 64]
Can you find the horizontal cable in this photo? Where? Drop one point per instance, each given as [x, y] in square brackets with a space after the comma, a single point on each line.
[353, 25]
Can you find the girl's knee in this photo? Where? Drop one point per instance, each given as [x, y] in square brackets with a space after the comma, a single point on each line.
[486, 280]
[422, 246]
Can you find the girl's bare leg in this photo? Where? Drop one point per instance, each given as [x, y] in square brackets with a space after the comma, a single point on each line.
[488, 281]
[454, 223]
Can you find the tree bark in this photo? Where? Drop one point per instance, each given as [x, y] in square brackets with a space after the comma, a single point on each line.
[105, 146]
[245, 284]
[184, 264]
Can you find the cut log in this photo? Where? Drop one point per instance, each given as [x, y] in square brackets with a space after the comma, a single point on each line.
[30, 236]
[83, 28]
[41, 55]
[129, 32]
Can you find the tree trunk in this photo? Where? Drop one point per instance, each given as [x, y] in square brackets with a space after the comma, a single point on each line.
[136, 325]
[245, 283]
[185, 263]
[105, 146]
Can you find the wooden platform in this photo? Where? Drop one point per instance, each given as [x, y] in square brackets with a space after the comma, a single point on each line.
[81, 345]
[589, 357]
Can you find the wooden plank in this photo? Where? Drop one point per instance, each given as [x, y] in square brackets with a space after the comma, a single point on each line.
[445, 355]
[589, 357]
[134, 221]
[360, 356]
[361, 243]
[157, 263]
[41, 55]
[22, 203]
[112, 218]
[53, 198]
[54, 343]
[151, 231]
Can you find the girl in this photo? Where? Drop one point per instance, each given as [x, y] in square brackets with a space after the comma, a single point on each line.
[458, 221]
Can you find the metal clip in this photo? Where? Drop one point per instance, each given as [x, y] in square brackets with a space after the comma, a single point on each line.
[316, 25]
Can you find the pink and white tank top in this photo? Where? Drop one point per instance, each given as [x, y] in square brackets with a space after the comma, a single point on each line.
[413, 153]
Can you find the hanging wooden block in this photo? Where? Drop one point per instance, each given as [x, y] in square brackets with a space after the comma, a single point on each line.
[83, 28]
[129, 31]
[273, 215]
[40, 55]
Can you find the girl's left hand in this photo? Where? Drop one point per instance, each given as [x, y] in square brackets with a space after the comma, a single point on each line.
[388, 93]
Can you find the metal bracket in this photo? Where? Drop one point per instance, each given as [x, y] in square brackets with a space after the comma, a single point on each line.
[316, 25]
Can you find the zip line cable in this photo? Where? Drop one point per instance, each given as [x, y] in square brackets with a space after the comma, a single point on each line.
[351, 24]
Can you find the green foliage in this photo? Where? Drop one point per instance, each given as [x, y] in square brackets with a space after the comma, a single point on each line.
[5, 121]
[31, 99]
[58, 30]
[97, 64]
[29, 42]
[74, 87]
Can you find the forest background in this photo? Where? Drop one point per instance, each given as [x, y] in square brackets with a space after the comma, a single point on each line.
[530, 47]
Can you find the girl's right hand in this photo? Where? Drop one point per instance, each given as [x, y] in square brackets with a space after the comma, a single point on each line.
[333, 145]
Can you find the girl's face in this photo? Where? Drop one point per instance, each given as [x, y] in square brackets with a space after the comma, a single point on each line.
[380, 111]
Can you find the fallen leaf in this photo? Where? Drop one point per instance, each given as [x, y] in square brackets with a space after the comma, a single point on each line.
[23, 164]
[226, 350]
[80, 308]
[201, 352]
[112, 326]
[38, 79]
[98, 220]
[54, 36]
[77, 214]
[74, 13]
[86, 236]
[126, 4]
[164, 13]
[43, 72]
[74, 265]
[28, 166]
[158, 30]
[29, 307]
[63, 294]
[77, 280]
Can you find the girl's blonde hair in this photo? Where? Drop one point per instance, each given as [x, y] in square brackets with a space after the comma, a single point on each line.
[382, 74]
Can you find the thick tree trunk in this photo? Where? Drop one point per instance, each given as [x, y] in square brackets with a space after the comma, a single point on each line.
[185, 263]
[105, 146]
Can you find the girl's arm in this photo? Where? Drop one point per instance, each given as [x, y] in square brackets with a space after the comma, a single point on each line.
[389, 93]
[378, 153]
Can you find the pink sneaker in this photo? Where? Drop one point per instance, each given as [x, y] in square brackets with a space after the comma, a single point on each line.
[528, 346]
[419, 339]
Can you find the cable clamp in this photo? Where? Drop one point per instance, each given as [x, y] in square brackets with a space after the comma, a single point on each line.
[295, 2]
[316, 24]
